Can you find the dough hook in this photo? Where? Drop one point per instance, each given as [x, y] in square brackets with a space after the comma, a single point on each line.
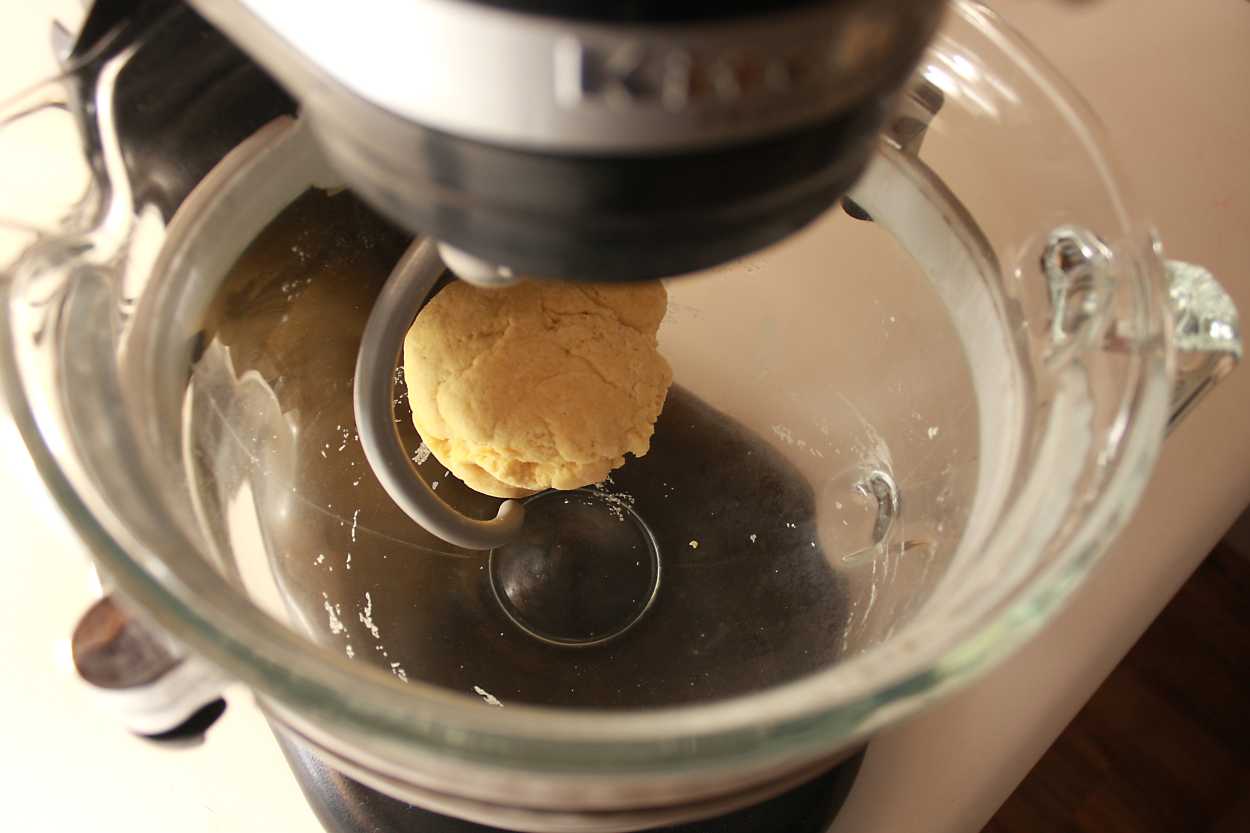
[405, 290]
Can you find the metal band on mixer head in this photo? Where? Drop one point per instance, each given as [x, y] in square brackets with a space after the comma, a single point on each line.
[551, 84]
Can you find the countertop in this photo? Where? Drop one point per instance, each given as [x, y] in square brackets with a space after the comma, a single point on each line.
[1169, 81]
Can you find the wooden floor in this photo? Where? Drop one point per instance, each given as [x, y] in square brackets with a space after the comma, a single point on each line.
[1165, 743]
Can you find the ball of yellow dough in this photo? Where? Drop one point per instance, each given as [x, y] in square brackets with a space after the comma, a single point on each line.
[543, 384]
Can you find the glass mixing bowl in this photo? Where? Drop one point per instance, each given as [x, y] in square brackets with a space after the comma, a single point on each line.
[894, 444]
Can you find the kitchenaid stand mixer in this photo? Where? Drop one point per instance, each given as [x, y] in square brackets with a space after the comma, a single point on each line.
[595, 149]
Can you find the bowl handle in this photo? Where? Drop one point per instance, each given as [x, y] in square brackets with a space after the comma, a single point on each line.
[1206, 333]
[373, 393]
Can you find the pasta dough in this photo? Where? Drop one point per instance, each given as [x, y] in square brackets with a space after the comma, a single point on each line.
[544, 384]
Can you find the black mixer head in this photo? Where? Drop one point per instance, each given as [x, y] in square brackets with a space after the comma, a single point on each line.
[595, 141]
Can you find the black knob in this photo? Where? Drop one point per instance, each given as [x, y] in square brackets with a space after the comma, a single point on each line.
[156, 690]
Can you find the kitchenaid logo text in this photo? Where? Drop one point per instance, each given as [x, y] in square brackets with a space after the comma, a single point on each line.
[630, 73]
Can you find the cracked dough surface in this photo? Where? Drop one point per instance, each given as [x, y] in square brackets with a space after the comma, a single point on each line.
[544, 384]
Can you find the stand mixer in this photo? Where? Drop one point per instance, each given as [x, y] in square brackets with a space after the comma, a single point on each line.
[843, 514]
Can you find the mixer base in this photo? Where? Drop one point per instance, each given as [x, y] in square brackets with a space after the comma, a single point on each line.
[344, 805]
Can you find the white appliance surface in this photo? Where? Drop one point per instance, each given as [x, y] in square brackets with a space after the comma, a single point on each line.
[1169, 79]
